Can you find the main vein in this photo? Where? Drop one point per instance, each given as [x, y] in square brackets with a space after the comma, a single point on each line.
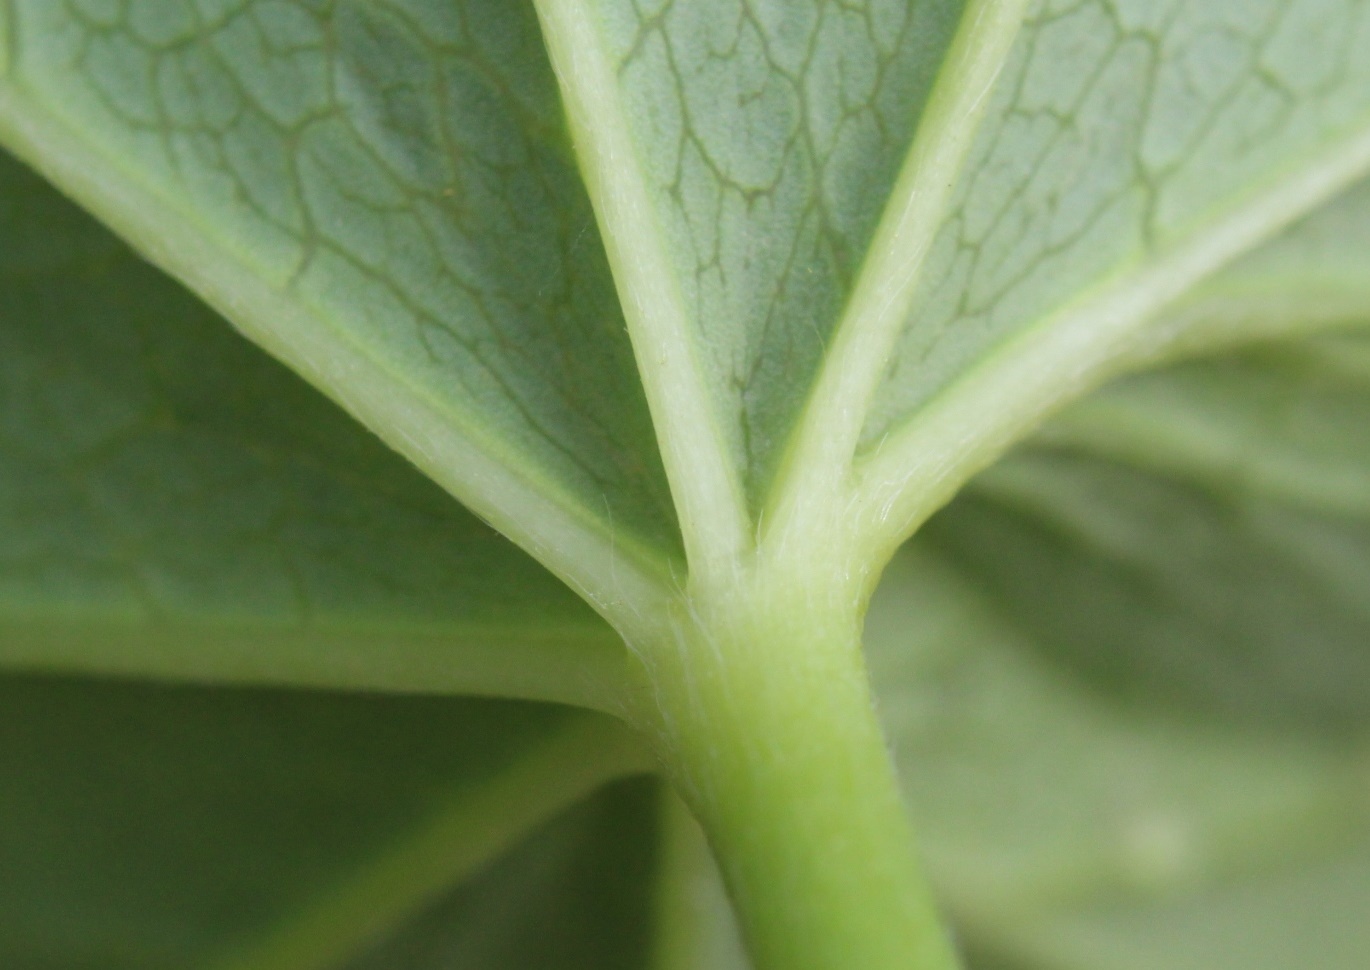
[816, 470]
[623, 586]
[705, 483]
[917, 469]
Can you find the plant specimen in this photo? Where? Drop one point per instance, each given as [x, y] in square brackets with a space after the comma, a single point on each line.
[711, 307]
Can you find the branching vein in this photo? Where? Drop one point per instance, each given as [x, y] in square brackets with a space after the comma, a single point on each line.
[705, 484]
[623, 586]
[916, 470]
[815, 474]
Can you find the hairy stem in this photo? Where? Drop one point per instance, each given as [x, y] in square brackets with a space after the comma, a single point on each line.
[761, 710]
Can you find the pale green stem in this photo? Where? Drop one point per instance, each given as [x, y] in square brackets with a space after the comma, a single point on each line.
[761, 711]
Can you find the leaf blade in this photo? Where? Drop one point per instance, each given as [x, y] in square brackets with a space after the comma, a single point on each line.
[1079, 185]
[327, 322]
[176, 505]
[125, 844]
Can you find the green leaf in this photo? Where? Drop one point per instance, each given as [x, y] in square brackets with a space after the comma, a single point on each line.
[1097, 162]
[1308, 278]
[220, 521]
[766, 139]
[1127, 674]
[1132, 150]
[1037, 787]
[1198, 534]
[707, 305]
[148, 827]
[1284, 919]
[576, 894]
[383, 196]
[174, 504]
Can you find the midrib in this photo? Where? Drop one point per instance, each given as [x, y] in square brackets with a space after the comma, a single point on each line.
[814, 474]
[705, 481]
[625, 583]
[916, 468]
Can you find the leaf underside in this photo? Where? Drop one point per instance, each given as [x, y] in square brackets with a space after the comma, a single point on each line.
[1125, 668]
